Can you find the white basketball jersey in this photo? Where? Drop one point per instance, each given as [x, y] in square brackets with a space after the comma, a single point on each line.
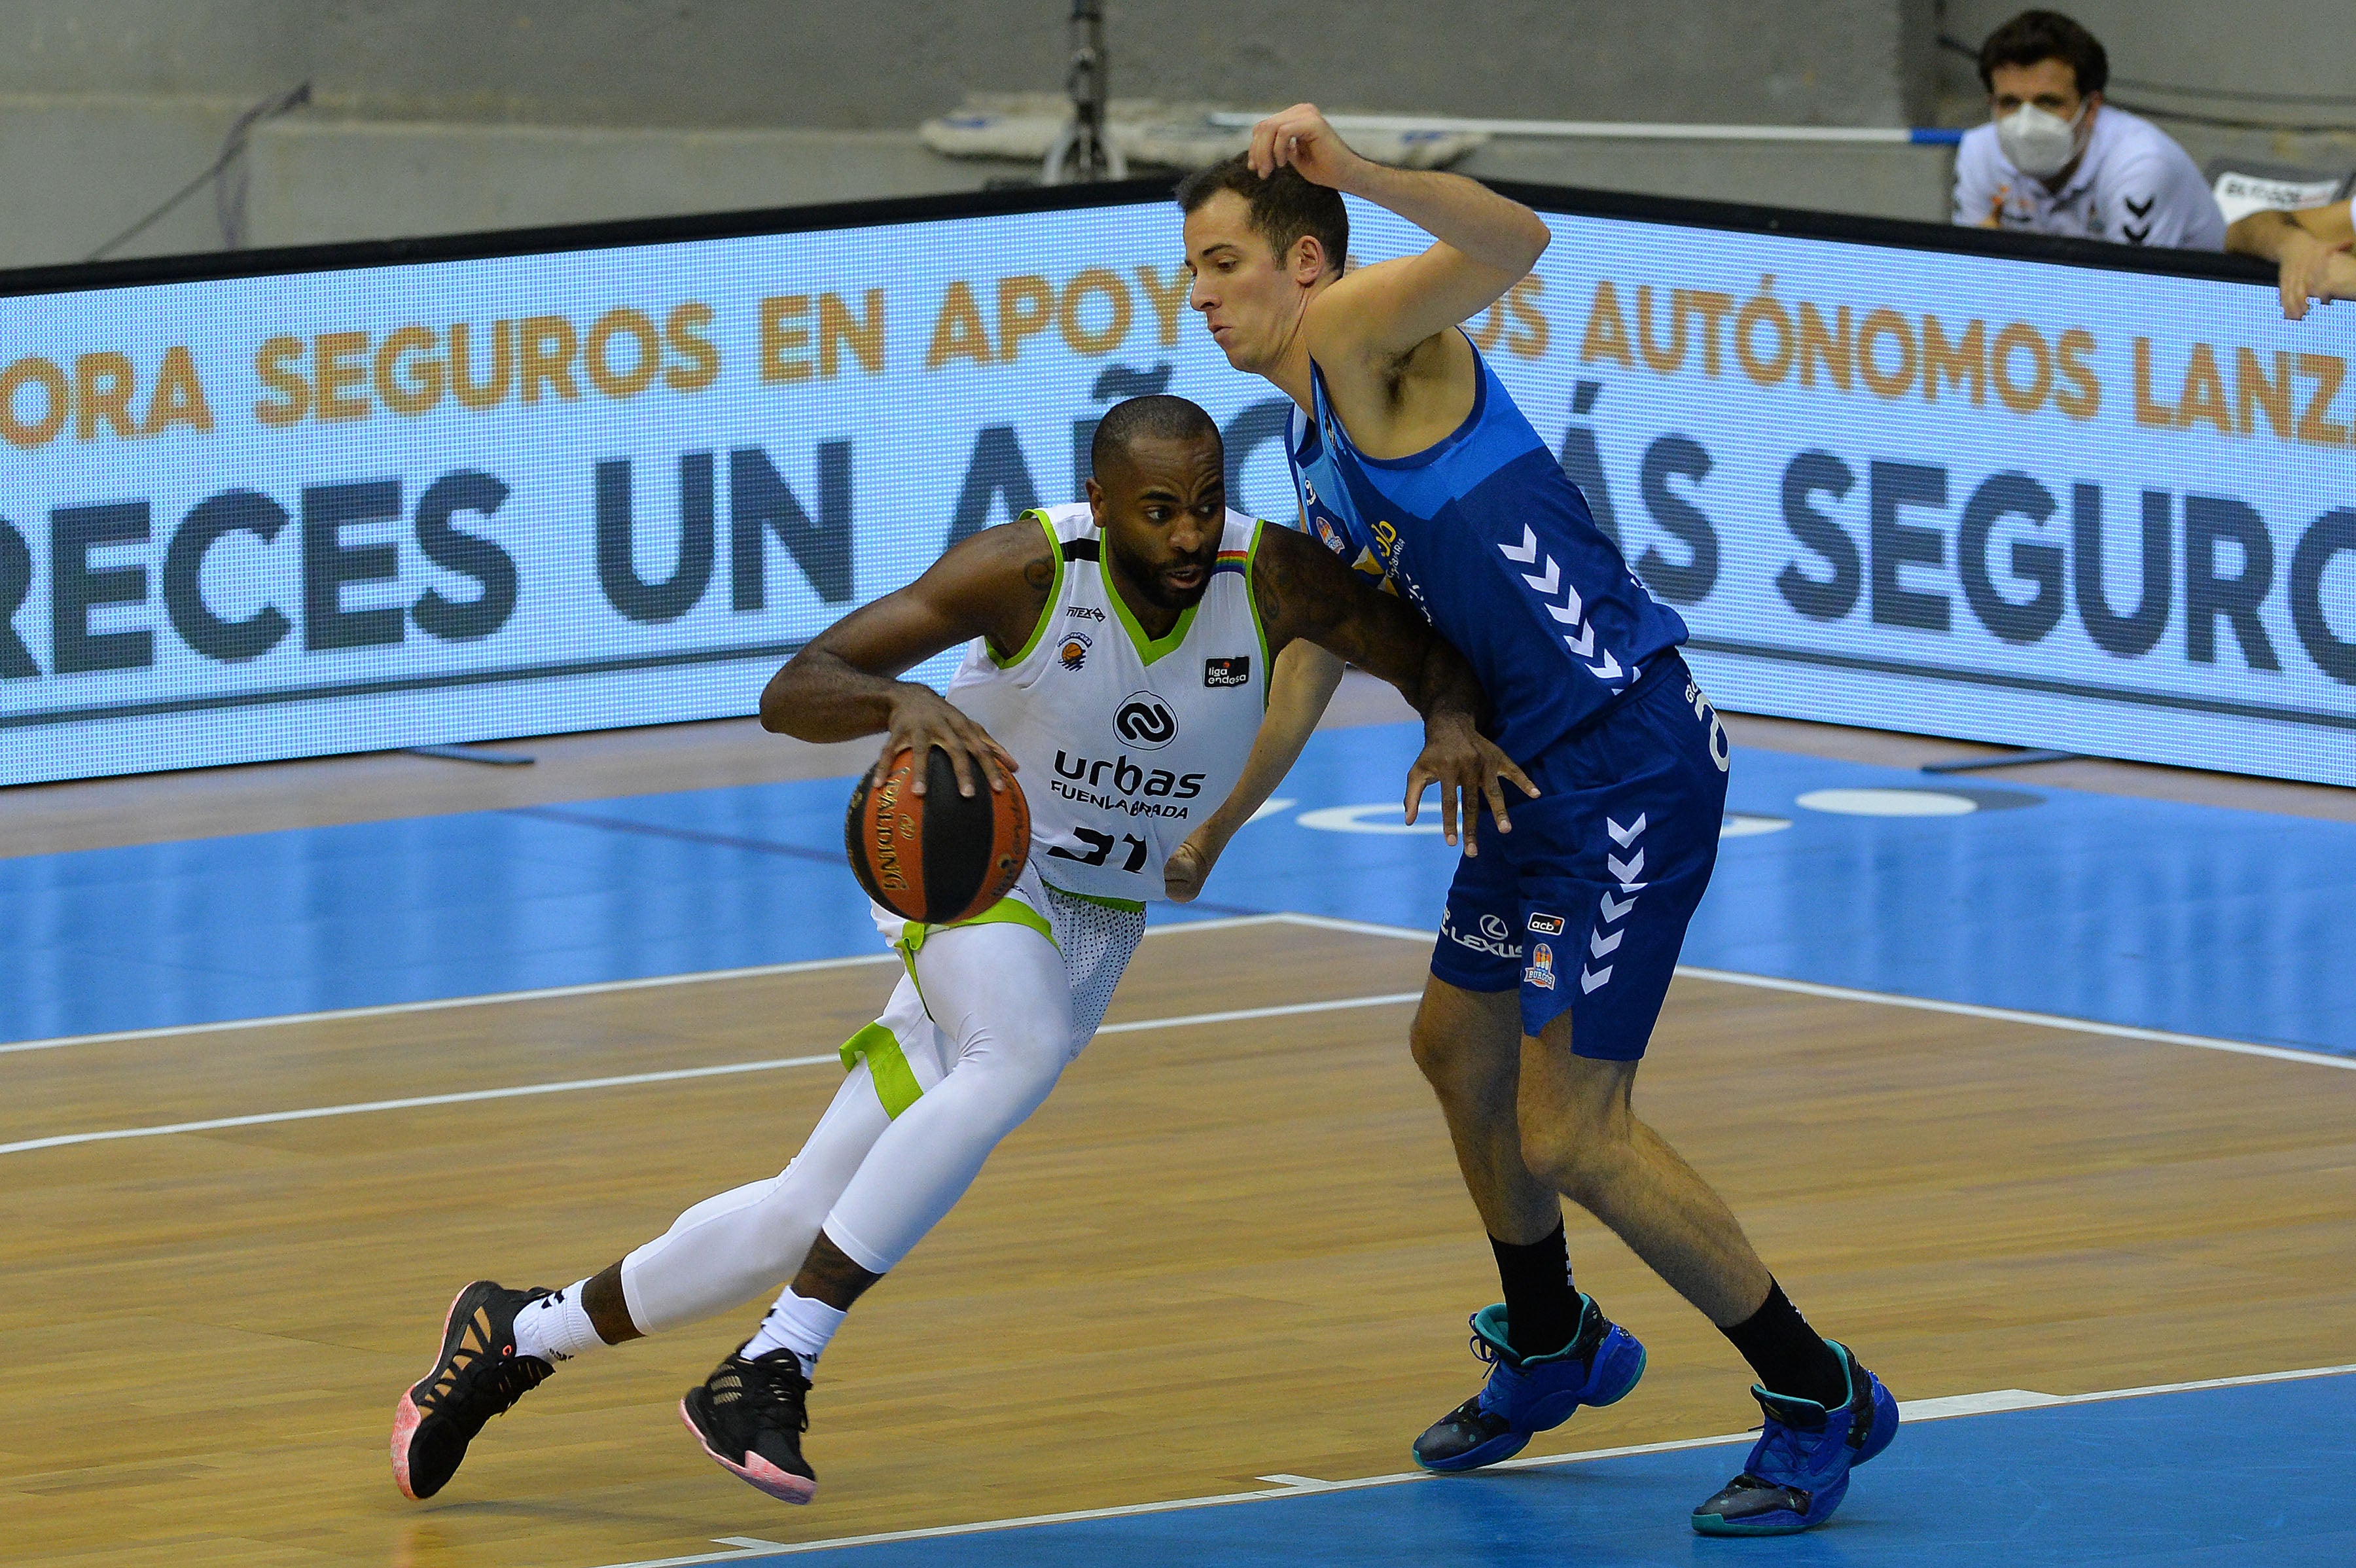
[1125, 743]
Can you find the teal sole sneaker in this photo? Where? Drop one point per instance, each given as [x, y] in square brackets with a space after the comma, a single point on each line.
[1798, 1471]
[1523, 1398]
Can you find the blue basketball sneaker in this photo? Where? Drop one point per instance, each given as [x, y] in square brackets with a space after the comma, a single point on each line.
[1798, 1470]
[1523, 1398]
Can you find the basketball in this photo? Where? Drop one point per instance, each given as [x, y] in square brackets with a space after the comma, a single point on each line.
[939, 857]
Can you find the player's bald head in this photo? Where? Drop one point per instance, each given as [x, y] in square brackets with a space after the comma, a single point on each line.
[1155, 418]
[1160, 494]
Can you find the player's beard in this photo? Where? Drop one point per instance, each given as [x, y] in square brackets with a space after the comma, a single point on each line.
[1149, 582]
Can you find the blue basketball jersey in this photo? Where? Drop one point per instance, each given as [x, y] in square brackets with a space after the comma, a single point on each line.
[1489, 539]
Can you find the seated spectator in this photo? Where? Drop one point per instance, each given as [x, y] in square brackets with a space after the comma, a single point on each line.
[2312, 246]
[2056, 159]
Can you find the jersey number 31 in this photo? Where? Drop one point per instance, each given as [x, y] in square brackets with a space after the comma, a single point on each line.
[1099, 846]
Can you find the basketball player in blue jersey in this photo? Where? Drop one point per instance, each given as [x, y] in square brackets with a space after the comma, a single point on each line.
[1556, 949]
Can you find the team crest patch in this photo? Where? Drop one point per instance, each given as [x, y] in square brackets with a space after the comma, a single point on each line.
[1540, 972]
[1334, 542]
[1073, 652]
[1547, 925]
[1233, 671]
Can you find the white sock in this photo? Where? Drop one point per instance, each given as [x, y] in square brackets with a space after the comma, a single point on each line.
[796, 1324]
[556, 1328]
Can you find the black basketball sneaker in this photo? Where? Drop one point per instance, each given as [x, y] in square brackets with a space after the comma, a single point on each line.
[477, 1376]
[750, 1416]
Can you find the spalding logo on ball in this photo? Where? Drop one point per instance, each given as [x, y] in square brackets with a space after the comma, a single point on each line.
[939, 857]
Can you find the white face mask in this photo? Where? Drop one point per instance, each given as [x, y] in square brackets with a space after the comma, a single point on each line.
[2039, 144]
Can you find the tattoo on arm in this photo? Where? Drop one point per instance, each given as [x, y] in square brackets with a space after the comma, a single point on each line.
[841, 685]
[1303, 591]
[1017, 619]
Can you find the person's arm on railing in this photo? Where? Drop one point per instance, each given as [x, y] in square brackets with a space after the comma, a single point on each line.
[2312, 246]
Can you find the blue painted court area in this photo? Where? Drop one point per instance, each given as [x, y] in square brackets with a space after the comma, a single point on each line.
[2210, 1476]
[2189, 919]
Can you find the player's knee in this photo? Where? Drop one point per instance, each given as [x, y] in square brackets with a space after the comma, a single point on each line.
[1580, 1160]
[1455, 1061]
[785, 1223]
[1438, 1054]
[1022, 1063]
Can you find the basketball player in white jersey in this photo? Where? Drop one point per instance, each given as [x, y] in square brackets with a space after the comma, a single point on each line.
[1118, 661]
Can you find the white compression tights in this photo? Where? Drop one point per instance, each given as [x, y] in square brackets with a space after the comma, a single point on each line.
[1000, 1033]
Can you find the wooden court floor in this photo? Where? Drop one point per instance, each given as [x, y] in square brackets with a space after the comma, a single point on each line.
[1221, 1250]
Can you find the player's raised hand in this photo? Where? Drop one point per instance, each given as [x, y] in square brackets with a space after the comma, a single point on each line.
[1300, 138]
[922, 719]
[1468, 767]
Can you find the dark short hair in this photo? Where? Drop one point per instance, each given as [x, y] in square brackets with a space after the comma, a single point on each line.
[2035, 36]
[1156, 416]
[1283, 206]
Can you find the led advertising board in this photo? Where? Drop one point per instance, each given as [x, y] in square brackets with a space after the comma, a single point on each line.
[370, 506]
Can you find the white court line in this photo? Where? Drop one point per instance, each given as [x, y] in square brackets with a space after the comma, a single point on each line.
[1918, 1003]
[746, 1545]
[394, 1009]
[1289, 1486]
[1321, 922]
[495, 998]
[1768, 982]
[1386, 999]
[624, 1080]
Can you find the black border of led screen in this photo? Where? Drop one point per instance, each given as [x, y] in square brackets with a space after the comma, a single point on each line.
[1739, 218]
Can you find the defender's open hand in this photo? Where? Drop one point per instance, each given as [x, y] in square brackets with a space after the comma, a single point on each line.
[1467, 765]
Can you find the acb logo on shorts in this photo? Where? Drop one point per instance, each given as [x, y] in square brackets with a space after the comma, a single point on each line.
[1145, 721]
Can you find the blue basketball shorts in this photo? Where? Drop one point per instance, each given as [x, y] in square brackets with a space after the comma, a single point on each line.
[1583, 907]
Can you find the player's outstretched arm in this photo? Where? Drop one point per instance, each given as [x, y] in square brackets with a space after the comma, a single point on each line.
[843, 683]
[1486, 243]
[1304, 593]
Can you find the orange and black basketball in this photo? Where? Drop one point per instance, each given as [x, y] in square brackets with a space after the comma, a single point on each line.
[940, 856]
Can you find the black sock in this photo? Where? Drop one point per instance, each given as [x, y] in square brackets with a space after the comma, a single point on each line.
[1790, 1357]
[1541, 1309]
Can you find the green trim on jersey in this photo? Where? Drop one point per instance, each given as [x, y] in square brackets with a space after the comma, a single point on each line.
[1046, 611]
[1127, 906]
[1008, 911]
[1149, 649]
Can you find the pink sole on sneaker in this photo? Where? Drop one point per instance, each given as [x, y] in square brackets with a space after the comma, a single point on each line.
[759, 1472]
[406, 1415]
